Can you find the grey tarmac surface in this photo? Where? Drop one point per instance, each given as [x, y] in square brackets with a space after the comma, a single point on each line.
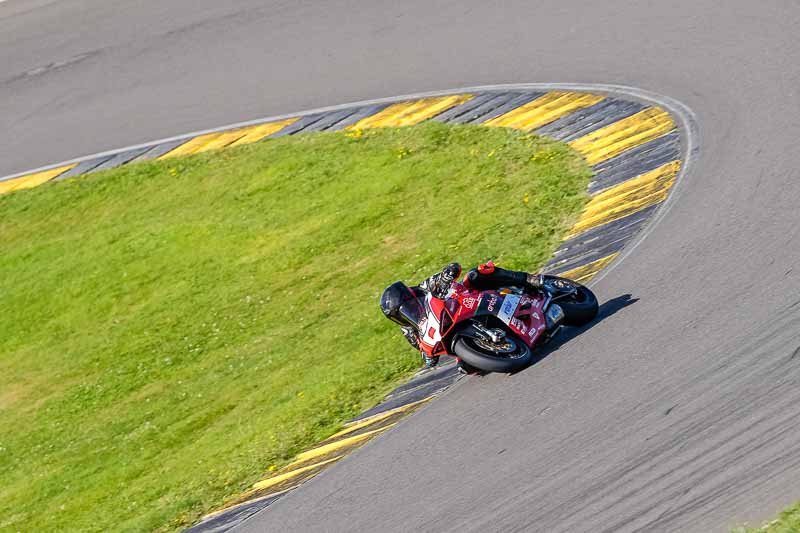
[677, 412]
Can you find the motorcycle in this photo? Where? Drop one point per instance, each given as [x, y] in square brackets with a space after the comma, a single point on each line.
[498, 330]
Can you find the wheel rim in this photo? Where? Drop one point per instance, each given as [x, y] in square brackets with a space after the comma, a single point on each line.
[509, 349]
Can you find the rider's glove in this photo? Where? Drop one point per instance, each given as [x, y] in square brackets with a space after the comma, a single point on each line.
[451, 272]
[444, 279]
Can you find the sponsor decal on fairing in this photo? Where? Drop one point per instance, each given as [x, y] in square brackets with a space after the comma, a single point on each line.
[510, 304]
[431, 328]
[469, 302]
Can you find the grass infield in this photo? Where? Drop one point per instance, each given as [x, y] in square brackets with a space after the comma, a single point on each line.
[171, 330]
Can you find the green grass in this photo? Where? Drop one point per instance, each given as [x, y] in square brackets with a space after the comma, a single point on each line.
[172, 329]
[787, 522]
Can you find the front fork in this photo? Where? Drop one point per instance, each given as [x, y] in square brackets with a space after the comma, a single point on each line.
[488, 334]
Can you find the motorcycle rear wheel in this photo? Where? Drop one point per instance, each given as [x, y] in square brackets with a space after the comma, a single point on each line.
[471, 353]
[580, 308]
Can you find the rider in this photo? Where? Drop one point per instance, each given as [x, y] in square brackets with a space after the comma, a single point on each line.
[486, 277]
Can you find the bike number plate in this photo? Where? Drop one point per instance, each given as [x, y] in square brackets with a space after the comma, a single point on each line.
[507, 309]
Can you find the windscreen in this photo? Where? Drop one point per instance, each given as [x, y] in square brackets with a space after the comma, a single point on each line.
[413, 312]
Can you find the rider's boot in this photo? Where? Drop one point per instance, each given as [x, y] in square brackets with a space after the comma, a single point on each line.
[430, 362]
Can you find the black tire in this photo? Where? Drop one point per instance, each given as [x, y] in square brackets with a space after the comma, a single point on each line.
[579, 309]
[466, 349]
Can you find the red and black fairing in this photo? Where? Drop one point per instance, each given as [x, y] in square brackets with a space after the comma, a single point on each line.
[520, 313]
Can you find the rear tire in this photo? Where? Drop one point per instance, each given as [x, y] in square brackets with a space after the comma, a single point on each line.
[466, 349]
[579, 309]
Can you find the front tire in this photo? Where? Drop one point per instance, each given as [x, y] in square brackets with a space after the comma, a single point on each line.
[469, 352]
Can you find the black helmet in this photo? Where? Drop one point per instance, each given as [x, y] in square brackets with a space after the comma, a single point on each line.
[400, 304]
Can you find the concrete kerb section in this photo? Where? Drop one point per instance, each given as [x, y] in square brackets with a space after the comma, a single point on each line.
[640, 146]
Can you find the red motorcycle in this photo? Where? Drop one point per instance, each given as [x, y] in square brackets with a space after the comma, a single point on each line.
[497, 330]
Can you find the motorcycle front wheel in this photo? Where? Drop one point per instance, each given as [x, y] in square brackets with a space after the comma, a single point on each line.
[481, 355]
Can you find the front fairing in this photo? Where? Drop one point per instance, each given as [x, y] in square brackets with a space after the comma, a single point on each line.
[430, 328]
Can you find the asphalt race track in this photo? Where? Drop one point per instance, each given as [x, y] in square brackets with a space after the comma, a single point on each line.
[677, 411]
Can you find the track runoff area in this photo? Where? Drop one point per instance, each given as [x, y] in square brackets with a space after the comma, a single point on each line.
[637, 144]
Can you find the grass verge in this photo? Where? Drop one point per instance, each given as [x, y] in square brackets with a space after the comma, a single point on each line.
[173, 329]
[787, 522]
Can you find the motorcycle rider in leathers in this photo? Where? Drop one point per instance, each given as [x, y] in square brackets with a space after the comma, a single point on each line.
[484, 278]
